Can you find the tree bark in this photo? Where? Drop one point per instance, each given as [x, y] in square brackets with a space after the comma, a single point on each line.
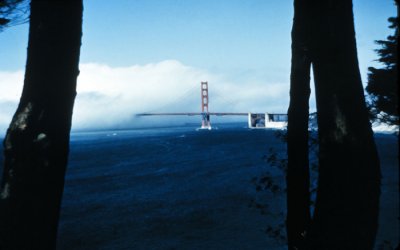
[297, 177]
[347, 204]
[36, 145]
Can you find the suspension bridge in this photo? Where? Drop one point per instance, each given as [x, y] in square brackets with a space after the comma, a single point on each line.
[255, 120]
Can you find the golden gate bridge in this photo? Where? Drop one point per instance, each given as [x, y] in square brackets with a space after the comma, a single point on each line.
[255, 120]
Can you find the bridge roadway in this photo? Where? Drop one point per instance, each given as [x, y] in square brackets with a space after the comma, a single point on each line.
[194, 113]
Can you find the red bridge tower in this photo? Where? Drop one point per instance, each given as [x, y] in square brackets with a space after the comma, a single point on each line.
[205, 115]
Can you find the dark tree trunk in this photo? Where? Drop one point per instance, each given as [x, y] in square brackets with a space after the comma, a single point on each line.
[37, 142]
[346, 209]
[297, 178]
[347, 204]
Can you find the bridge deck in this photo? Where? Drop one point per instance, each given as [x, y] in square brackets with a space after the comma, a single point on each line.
[193, 113]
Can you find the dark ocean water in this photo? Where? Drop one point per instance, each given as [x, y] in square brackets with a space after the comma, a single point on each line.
[184, 188]
[168, 188]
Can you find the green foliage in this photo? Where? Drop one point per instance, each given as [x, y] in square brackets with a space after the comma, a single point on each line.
[277, 232]
[271, 182]
[13, 12]
[382, 82]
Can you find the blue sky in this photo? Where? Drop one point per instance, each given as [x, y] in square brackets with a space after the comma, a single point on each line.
[241, 47]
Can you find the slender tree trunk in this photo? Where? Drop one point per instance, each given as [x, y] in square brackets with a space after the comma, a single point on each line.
[346, 209]
[37, 142]
[297, 178]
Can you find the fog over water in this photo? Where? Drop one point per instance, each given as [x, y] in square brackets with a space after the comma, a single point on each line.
[109, 97]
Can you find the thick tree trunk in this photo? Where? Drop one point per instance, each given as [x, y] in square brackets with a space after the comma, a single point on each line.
[346, 209]
[37, 142]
